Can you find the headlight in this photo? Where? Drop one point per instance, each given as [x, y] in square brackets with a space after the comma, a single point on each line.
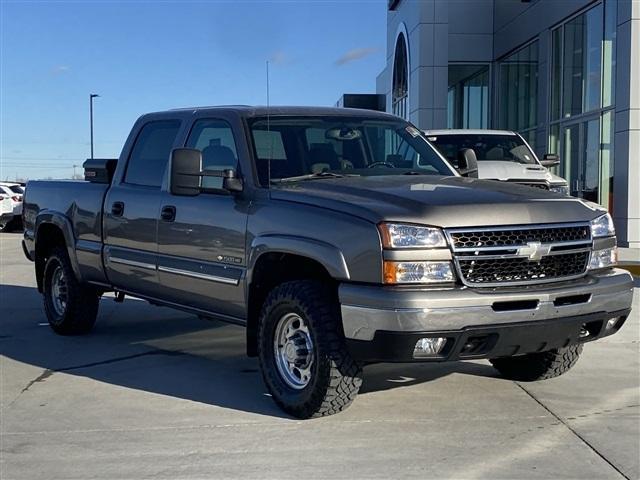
[417, 272]
[396, 235]
[602, 226]
[603, 258]
[561, 189]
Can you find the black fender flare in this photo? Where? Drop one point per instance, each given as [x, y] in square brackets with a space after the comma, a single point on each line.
[327, 255]
[62, 222]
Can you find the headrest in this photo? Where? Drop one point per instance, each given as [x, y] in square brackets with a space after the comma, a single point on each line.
[218, 155]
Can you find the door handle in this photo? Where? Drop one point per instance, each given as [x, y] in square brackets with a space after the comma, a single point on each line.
[168, 213]
[117, 209]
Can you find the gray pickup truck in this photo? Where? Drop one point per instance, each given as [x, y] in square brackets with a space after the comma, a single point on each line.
[338, 238]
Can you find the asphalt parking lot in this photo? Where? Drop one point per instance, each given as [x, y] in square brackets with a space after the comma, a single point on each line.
[157, 393]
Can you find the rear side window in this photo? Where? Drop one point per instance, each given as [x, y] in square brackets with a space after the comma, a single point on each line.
[150, 154]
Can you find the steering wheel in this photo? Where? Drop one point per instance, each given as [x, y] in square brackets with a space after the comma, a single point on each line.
[384, 164]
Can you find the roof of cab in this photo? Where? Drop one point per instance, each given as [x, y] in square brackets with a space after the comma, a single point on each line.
[259, 111]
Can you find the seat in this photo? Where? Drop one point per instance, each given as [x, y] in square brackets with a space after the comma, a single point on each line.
[218, 157]
[323, 157]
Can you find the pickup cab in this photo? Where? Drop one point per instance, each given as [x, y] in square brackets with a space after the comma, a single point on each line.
[338, 238]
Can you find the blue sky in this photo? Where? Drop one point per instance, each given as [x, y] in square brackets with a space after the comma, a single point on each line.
[147, 56]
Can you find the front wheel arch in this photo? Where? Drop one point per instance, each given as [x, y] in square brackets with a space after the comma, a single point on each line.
[270, 270]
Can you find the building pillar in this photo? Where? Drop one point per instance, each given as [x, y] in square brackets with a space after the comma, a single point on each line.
[428, 43]
[626, 193]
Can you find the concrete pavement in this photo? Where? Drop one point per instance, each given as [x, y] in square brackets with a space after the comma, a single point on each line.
[157, 393]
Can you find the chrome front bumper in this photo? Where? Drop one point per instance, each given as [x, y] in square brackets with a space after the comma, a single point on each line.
[369, 309]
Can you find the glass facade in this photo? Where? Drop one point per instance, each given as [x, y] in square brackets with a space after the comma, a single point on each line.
[468, 96]
[518, 87]
[582, 101]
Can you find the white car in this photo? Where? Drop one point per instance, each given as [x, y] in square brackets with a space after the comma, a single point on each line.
[502, 155]
[6, 210]
[15, 192]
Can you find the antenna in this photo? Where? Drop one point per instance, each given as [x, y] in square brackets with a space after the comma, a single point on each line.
[269, 134]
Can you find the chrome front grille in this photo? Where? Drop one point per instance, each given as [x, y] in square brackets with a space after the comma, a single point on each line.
[520, 255]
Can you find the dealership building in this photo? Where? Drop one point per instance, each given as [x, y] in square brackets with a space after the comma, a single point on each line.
[563, 73]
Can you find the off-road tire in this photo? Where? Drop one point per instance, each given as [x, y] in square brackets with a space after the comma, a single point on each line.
[538, 366]
[82, 300]
[335, 377]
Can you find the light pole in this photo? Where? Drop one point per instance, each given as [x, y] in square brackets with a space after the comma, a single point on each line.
[91, 97]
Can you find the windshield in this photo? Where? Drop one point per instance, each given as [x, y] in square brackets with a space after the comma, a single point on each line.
[300, 148]
[500, 148]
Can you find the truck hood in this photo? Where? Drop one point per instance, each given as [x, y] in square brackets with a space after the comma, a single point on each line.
[434, 200]
[503, 170]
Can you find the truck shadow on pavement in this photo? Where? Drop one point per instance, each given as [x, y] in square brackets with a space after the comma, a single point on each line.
[167, 352]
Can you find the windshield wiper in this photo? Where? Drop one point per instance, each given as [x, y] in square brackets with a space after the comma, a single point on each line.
[414, 172]
[312, 176]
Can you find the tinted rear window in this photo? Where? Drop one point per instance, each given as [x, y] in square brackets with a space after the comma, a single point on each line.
[150, 154]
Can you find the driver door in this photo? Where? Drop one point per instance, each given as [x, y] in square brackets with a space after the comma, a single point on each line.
[201, 239]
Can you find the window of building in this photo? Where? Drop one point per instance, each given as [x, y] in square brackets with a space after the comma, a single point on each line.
[214, 138]
[150, 153]
[582, 101]
[582, 56]
[468, 96]
[400, 85]
[518, 89]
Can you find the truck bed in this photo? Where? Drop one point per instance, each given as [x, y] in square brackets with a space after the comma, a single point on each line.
[75, 206]
[79, 201]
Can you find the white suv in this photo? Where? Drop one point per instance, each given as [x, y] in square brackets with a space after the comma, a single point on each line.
[14, 192]
[6, 210]
[502, 155]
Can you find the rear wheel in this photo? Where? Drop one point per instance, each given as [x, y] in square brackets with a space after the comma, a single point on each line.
[538, 366]
[303, 357]
[71, 307]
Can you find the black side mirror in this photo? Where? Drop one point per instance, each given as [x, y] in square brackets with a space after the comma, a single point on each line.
[550, 160]
[186, 165]
[187, 173]
[467, 162]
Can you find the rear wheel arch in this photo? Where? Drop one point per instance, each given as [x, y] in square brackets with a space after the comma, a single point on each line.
[53, 230]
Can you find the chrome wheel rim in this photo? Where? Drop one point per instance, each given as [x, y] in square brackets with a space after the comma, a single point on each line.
[293, 349]
[59, 291]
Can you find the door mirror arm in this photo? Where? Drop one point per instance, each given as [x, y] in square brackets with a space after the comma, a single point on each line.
[187, 173]
[230, 180]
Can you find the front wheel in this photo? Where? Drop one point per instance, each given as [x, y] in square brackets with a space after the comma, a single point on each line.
[71, 307]
[304, 360]
[538, 366]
